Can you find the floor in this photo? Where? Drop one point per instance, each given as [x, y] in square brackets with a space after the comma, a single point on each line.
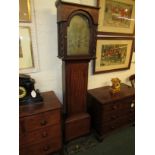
[119, 142]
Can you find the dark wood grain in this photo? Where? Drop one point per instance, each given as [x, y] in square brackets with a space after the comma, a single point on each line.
[51, 132]
[75, 92]
[40, 126]
[76, 86]
[44, 148]
[108, 112]
[75, 67]
[76, 126]
[41, 120]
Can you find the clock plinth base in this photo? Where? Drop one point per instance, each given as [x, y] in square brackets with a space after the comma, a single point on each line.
[77, 125]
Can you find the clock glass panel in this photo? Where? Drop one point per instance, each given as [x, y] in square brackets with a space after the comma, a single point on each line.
[78, 36]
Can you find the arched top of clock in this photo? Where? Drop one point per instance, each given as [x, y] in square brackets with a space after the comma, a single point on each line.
[76, 41]
[65, 9]
[80, 13]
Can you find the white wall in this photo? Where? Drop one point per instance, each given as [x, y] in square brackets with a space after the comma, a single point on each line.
[49, 75]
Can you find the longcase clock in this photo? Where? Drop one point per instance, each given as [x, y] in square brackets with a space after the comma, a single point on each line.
[77, 27]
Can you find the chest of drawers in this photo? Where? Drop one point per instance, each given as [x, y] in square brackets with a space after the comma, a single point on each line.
[40, 127]
[108, 111]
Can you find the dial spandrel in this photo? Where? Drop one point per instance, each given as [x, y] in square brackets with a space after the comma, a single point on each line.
[78, 36]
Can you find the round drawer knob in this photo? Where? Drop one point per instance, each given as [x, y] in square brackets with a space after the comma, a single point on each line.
[43, 122]
[44, 134]
[112, 127]
[46, 148]
[114, 107]
[113, 117]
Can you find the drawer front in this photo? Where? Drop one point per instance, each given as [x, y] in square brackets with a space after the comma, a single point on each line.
[119, 105]
[117, 123]
[37, 136]
[44, 148]
[114, 115]
[40, 120]
[77, 128]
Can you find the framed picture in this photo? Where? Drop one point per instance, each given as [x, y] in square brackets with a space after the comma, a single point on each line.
[134, 45]
[25, 48]
[113, 54]
[24, 11]
[116, 17]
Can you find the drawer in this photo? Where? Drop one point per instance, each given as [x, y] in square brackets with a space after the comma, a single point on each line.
[114, 115]
[38, 121]
[106, 127]
[42, 134]
[119, 105]
[77, 127]
[43, 148]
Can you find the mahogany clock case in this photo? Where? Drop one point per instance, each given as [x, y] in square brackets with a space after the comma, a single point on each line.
[76, 48]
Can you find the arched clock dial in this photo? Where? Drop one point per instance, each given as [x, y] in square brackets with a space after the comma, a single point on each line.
[78, 34]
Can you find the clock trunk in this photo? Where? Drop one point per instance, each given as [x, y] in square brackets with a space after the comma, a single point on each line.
[75, 75]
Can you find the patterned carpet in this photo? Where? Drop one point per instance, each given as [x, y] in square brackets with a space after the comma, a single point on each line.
[119, 142]
[81, 145]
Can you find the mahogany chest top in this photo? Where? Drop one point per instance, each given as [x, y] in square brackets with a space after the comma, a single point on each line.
[51, 102]
[104, 96]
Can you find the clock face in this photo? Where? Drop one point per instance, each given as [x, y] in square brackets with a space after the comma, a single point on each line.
[22, 92]
[78, 36]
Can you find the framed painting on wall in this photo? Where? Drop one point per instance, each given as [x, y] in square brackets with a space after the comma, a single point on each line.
[25, 48]
[24, 11]
[113, 54]
[116, 17]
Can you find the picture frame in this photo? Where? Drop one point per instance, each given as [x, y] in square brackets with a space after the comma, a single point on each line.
[113, 54]
[24, 11]
[26, 60]
[116, 17]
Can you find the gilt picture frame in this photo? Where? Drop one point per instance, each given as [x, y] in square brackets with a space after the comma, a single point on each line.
[116, 17]
[113, 54]
[26, 60]
[24, 11]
